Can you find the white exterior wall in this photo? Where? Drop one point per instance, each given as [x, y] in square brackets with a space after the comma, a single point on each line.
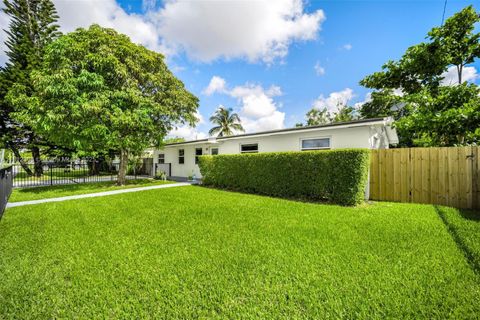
[350, 137]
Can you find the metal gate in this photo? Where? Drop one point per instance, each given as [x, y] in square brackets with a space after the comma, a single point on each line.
[6, 184]
[163, 167]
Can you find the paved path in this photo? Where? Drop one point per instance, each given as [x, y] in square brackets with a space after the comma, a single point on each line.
[98, 194]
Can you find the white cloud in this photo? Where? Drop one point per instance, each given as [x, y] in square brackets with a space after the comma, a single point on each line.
[368, 98]
[108, 13]
[255, 30]
[217, 84]
[258, 110]
[347, 47]
[256, 101]
[149, 4]
[188, 133]
[273, 121]
[319, 70]
[200, 119]
[398, 92]
[334, 100]
[451, 75]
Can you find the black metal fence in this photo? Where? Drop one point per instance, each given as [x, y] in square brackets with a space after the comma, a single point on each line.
[72, 172]
[6, 185]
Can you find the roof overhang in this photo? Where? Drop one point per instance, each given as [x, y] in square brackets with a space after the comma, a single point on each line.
[385, 122]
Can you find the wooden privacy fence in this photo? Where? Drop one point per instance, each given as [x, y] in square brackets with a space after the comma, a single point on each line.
[444, 176]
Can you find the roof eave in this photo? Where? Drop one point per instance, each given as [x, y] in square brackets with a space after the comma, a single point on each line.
[357, 123]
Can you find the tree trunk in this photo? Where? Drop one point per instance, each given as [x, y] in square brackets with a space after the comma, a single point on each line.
[93, 167]
[20, 159]
[37, 162]
[122, 170]
[459, 72]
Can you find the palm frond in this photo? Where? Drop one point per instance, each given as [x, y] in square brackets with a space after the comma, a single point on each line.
[226, 122]
[237, 127]
[215, 130]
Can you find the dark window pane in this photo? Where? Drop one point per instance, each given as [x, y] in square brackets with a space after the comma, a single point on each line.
[198, 152]
[181, 156]
[214, 151]
[249, 147]
[308, 144]
[161, 158]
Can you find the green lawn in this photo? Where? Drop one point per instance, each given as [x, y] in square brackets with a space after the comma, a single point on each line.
[35, 193]
[465, 228]
[193, 252]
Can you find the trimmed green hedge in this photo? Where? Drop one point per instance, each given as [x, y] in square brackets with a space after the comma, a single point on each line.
[337, 176]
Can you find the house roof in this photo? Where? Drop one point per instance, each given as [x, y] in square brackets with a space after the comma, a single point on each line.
[296, 129]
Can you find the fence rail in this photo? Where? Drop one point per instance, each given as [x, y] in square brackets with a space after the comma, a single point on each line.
[6, 185]
[444, 176]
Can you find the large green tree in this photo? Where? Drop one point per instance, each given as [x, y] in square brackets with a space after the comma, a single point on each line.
[344, 113]
[449, 117]
[455, 43]
[97, 91]
[32, 27]
[316, 116]
[319, 116]
[382, 103]
[457, 40]
[226, 121]
[419, 74]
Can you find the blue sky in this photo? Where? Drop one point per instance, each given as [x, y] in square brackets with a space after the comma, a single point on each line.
[271, 81]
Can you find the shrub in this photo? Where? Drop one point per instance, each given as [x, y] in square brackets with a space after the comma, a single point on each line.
[161, 175]
[337, 176]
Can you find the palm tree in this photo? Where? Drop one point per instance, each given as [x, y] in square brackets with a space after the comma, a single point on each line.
[226, 122]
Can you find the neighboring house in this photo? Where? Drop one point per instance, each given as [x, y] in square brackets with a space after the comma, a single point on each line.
[180, 159]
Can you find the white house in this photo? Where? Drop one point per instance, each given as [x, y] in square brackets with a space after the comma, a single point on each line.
[180, 159]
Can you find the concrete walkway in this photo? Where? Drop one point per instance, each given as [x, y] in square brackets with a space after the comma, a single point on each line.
[98, 194]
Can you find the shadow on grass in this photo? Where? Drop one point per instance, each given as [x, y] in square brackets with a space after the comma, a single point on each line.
[311, 200]
[464, 227]
[473, 215]
[66, 187]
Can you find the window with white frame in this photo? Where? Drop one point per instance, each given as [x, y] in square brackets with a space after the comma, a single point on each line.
[249, 148]
[161, 158]
[316, 144]
[181, 156]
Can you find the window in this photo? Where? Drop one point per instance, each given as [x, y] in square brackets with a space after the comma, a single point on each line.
[161, 158]
[249, 148]
[315, 144]
[214, 151]
[181, 156]
[198, 152]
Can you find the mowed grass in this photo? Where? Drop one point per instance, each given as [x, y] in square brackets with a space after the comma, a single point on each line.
[35, 193]
[193, 252]
[465, 228]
